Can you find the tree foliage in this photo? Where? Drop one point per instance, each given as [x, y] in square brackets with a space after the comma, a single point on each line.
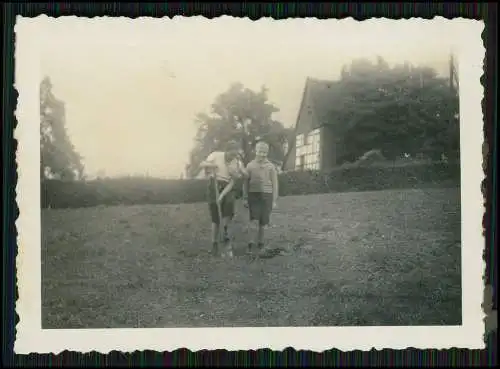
[59, 158]
[398, 110]
[242, 115]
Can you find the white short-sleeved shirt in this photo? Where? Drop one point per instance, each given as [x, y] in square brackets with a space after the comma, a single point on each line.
[224, 170]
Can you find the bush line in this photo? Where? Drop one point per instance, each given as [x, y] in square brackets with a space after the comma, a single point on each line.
[141, 191]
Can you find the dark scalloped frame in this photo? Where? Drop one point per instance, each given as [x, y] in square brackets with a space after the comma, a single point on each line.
[266, 357]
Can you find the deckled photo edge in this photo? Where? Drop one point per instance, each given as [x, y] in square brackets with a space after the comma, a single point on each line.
[31, 338]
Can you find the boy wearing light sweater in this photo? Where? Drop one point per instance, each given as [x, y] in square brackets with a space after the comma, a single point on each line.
[260, 191]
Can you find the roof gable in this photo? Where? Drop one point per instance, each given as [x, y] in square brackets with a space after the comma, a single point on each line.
[322, 95]
[318, 95]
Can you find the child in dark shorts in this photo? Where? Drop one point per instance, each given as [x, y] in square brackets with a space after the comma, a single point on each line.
[227, 204]
[260, 191]
[222, 168]
[260, 205]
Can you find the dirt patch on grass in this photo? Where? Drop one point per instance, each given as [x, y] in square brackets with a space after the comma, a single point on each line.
[373, 258]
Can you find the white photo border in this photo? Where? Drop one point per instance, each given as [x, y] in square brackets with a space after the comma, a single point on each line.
[31, 338]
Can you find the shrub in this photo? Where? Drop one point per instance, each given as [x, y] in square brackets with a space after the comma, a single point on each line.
[128, 191]
[136, 191]
[369, 178]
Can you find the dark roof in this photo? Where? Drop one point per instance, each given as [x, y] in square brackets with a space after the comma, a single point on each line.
[320, 95]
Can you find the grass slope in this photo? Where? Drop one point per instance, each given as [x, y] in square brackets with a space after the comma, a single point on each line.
[372, 258]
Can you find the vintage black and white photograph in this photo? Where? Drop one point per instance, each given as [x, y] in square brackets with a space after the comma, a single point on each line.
[227, 173]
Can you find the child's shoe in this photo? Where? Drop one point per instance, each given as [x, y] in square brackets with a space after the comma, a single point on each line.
[228, 248]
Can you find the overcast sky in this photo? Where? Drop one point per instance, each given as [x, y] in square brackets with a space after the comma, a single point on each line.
[133, 87]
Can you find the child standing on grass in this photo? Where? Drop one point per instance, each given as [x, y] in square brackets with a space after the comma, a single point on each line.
[260, 192]
[223, 168]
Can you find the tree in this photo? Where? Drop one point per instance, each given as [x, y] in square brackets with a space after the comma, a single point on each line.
[59, 158]
[404, 109]
[240, 115]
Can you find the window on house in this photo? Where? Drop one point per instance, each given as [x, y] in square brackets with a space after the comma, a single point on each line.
[299, 151]
[308, 149]
[300, 162]
[300, 141]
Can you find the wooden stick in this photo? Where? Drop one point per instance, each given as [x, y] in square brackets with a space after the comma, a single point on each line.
[219, 210]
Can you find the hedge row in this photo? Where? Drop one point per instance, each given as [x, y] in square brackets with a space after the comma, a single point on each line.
[134, 191]
[370, 178]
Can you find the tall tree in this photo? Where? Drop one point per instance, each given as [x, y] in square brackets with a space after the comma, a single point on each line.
[404, 109]
[242, 115]
[59, 158]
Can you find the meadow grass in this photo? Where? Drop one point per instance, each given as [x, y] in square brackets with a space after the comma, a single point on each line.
[365, 258]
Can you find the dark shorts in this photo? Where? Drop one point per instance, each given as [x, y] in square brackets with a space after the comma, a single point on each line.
[227, 205]
[260, 205]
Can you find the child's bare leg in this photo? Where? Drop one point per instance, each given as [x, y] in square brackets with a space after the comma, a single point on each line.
[226, 223]
[226, 234]
[227, 238]
[251, 231]
[264, 222]
[256, 232]
[260, 235]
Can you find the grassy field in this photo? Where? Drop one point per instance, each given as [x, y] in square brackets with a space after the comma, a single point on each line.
[372, 258]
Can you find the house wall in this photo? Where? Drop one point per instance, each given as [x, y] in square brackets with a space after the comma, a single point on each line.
[328, 148]
[290, 160]
[310, 149]
[305, 123]
[308, 120]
